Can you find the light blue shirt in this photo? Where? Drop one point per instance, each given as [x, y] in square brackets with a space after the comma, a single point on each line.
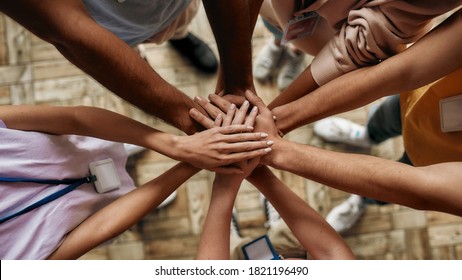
[135, 21]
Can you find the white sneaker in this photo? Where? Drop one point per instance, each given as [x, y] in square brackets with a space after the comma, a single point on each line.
[338, 130]
[267, 60]
[293, 65]
[168, 200]
[347, 214]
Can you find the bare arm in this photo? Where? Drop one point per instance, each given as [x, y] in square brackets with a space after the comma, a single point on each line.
[215, 238]
[298, 215]
[99, 53]
[434, 187]
[122, 214]
[432, 57]
[207, 149]
[232, 23]
[214, 243]
[318, 238]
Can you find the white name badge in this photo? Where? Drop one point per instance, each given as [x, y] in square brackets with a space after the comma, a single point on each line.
[300, 27]
[451, 113]
[260, 249]
[107, 178]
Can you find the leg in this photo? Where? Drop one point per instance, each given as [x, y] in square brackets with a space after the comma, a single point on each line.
[385, 122]
[267, 60]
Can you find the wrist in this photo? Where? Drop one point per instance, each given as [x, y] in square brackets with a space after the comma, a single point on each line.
[176, 148]
[228, 180]
[282, 118]
[280, 153]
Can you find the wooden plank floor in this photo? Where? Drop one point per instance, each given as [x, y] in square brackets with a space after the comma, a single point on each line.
[33, 72]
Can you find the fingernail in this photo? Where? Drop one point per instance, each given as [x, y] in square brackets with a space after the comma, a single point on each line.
[263, 135]
[232, 107]
[270, 142]
[219, 116]
[246, 103]
[267, 150]
[254, 109]
[198, 98]
[250, 127]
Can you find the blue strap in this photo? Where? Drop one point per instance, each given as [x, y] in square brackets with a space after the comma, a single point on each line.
[73, 184]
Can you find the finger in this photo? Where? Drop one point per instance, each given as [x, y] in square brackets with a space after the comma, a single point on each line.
[211, 109]
[250, 119]
[257, 101]
[236, 157]
[242, 137]
[229, 115]
[235, 128]
[239, 147]
[200, 118]
[219, 102]
[239, 118]
[218, 121]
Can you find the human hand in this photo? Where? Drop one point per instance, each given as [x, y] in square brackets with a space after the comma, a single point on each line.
[247, 165]
[265, 122]
[216, 148]
[227, 140]
[217, 104]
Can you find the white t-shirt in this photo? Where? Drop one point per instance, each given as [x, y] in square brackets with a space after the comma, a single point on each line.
[135, 21]
[36, 234]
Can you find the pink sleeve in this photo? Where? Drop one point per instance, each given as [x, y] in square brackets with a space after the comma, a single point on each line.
[373, 33]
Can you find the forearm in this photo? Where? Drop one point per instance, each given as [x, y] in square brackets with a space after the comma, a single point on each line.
[103, 56]
[131, 78]
[215, 238]
[123, 213]
[432, 188]
[233, 32]
[313, 232]
[405, 71]
[345, 93]
[303, 85]
[87, 121]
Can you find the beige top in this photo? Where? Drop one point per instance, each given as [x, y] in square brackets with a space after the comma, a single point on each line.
[370, 31]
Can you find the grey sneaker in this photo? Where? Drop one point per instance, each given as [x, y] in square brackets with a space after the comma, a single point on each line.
[346, 214]
[339, 130]
[267, 60]
[293, 65]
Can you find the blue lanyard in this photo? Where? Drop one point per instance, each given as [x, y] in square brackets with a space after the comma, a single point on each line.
[72, 185]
